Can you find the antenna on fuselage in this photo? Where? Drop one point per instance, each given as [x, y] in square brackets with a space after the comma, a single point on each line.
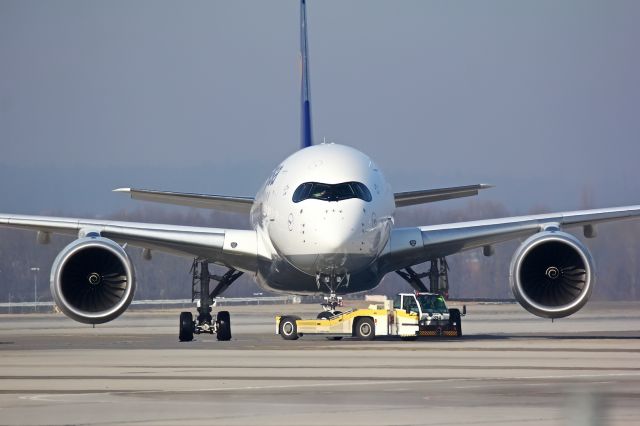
[306, 133]
[326, 141]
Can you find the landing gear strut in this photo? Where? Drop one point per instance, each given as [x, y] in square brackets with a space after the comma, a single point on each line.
[329, 306]
[200, 291]
[332, 281]
[438, 277]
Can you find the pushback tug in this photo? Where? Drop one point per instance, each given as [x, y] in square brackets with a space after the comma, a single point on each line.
[410, 316]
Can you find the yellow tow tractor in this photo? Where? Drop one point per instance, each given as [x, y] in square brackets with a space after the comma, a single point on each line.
[410, 316]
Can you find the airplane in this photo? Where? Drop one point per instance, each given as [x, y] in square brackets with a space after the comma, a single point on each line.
[322, 224]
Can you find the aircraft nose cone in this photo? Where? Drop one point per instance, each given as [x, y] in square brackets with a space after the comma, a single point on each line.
[334, 239]
[330, 237]
[335, 247]
[337, 230]
[349, 240]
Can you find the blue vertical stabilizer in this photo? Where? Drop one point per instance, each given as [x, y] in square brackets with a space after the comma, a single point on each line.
[306, 133]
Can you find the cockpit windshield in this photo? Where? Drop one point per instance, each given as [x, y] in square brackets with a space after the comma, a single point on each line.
[335, 192]
[432, 304]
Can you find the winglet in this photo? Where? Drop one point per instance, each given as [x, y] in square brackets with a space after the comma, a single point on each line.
[122, 190]
[306, 133]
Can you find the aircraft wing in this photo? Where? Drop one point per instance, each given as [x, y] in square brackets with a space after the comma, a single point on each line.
[205, 243]
[216, 202]
[411, 246]
[430, 195]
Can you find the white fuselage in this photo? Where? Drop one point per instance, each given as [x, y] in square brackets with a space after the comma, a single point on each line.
[326, 236]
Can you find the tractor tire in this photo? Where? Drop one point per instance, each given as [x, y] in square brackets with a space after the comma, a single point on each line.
[365, 329]
[456, 318]
[288, 328]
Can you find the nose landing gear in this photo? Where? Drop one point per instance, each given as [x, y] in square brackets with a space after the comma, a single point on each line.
[329, 305]
[200, 291]
[333, 282]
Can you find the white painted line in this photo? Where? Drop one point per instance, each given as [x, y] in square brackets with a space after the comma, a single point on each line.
[41, 397]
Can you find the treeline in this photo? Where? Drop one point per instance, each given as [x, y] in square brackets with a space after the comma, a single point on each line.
[615, 250]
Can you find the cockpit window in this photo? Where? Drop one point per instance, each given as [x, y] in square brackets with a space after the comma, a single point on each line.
[336, 192]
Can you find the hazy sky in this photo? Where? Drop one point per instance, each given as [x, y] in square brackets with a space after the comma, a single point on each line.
[541, 98]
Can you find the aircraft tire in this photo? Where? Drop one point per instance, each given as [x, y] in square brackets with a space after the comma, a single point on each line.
[327, 314]
[365, 329]
[288, 328]
[185, 329]
[224, 326]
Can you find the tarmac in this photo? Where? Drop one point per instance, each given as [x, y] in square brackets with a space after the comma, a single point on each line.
[508, 368]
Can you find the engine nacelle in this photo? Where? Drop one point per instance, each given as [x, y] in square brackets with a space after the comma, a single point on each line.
[552, 274]
[93, 280]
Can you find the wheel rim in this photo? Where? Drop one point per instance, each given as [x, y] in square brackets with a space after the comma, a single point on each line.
[287, 328]
[365, 329]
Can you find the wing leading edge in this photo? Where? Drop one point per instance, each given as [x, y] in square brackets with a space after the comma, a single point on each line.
[411, 246]
[213, 244]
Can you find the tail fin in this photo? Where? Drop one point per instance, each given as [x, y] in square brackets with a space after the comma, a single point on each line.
[306, 133]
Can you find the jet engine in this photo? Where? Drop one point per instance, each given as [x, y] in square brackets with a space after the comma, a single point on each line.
[93, 280]
[552, 274]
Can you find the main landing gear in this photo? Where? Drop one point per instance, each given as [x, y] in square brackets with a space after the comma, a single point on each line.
[200, 291]
[438, 278]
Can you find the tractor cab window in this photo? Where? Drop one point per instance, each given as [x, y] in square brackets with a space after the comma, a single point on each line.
[410, 305]
[334, 192]
[397, 302]
[432, 304]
